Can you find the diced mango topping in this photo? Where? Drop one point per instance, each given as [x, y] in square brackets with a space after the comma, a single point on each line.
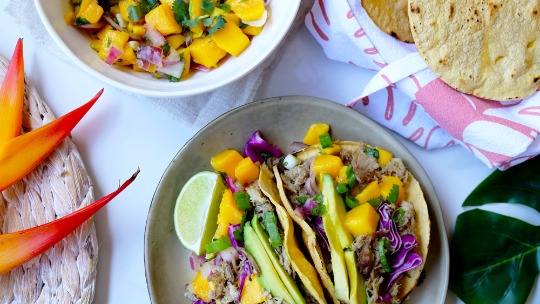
[247, 9]
[175, 41]
[124, 5]
[342, 175]
[128, 57]
[206, 52]
[112, 37]
[252, 30]
[229, 214]
[362, 219]
[226, 161]
[334, 150]
[139, 30]
[330, 164]
[252, 292]
[201, 287]
[90, 10]
[231, 39]
[162, 17]
[69, 18]
[384, 157]
[371, 191]
[246, 171]
[314, 131]
[195, 11]
[386, 184]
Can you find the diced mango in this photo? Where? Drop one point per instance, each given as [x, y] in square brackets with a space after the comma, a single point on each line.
[386, 184]
[201, 287]
[95, 44]
[342, 175]
[362, 219]
[371, 191]
[112, 37]
[252, 30]
[231, 39]
[246, 171]
[115, 9]
[162, 17]
[247, 9]
[69, 18]
[229, 214]
[90, 10]
[226, 161]
[314, 131]
[169, 2]
[128, 57]
[252, 292]
[124, 5]
[384, 157]
[175, 41]
[195, 11]
[103, 32]
[330, 164]
[206, 52]
[185, 55]
[334, 150]
[138, 30]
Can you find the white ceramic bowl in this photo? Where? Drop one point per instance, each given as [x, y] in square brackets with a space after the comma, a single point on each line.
[282, 121]
[76, 46]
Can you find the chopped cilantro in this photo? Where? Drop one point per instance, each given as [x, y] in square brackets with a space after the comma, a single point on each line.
[375, 202]
[372, 151]
[208, 22]
[301, 199]
[225, 7]
[393, 195]
[181, 11]
[219, 24]
[208, 6]
[238, 235]
[150, 4]
[172, 78]
[81, 21]
[193, 22]
[166, 48]
[242, 25]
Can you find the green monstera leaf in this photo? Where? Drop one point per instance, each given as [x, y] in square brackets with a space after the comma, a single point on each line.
[517, 185]
[493, 258]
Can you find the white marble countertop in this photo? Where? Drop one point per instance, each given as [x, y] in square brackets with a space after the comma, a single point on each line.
[121, 133]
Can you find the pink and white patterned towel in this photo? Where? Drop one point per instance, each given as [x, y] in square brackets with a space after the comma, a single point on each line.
[408, 97]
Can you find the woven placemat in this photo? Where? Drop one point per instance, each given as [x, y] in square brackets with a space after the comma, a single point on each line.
[66, 273]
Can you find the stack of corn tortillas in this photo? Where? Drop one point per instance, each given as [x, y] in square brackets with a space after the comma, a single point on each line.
[484, 48]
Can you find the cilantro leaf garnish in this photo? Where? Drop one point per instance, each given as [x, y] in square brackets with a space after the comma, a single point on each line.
[81, 21]
[242, 25]
[238, 235]
[193, 22]
[150, 4]
[393, 195]
[225, 7]
[219, 24]
[375, 202]
[372, 151]
[180, 11]
[172, 78]
[208, 6]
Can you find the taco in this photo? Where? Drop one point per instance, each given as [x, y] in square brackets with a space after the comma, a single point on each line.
[363, 217]
[254, 256]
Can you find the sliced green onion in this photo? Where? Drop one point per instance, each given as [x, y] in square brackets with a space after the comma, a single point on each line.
[351, 202]
[326, 140]
[318, 198]
[302, 199]
[218, 245]
[372, 151]
[397, 215]
[351, 178]
[318, 210]
[238, 234]
[270, 223]
[242, 200]
[384, 246]
[342, 188]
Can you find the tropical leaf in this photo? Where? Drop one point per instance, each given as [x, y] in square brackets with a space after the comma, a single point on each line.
[517, 185]
[494, 258]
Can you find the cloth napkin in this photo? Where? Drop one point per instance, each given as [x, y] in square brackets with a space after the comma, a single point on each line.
[194, 111]
[405, 95]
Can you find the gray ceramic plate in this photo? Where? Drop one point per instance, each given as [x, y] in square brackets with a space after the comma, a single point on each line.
[282, 121]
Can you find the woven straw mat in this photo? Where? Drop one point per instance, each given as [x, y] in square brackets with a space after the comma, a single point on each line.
[66, 272]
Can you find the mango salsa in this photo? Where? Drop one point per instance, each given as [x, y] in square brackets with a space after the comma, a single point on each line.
[371, 191]
[313, 133]
[330, 164]
[362, 219]
[90, 10]
[206, 52]
[386, 185]
[246, 171]
[231, 39]
[248, 9]
[229, 214]
[226, 161]
[162, 17]
[252, 292]
[201, 287]
[384, 157]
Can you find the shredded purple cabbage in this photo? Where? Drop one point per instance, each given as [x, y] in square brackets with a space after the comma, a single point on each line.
[196, 261]
[315, 222]
[256, 145]
[246, 272]
[234, 242]
[387, 224]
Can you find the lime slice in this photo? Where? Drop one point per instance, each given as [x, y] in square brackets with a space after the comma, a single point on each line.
[196, 210]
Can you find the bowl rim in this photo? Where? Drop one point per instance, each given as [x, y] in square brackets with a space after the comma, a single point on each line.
[420, 174]
[166, 93]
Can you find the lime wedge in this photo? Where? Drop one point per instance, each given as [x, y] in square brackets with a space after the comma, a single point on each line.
[196, 210]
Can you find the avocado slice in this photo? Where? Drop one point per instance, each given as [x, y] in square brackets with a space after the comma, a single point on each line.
[339, 268]
[358, 293]
[269, 278]
[285, 277]
[336, 213]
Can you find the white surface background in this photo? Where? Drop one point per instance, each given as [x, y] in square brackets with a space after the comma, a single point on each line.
[122, 133]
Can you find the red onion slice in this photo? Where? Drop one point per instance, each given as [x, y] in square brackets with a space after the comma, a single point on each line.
[151, 54]
[115, 25]
[113, 55]
[296, 147]
[153, 35]
[200, 67]
[92, 26]
[172, 58]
